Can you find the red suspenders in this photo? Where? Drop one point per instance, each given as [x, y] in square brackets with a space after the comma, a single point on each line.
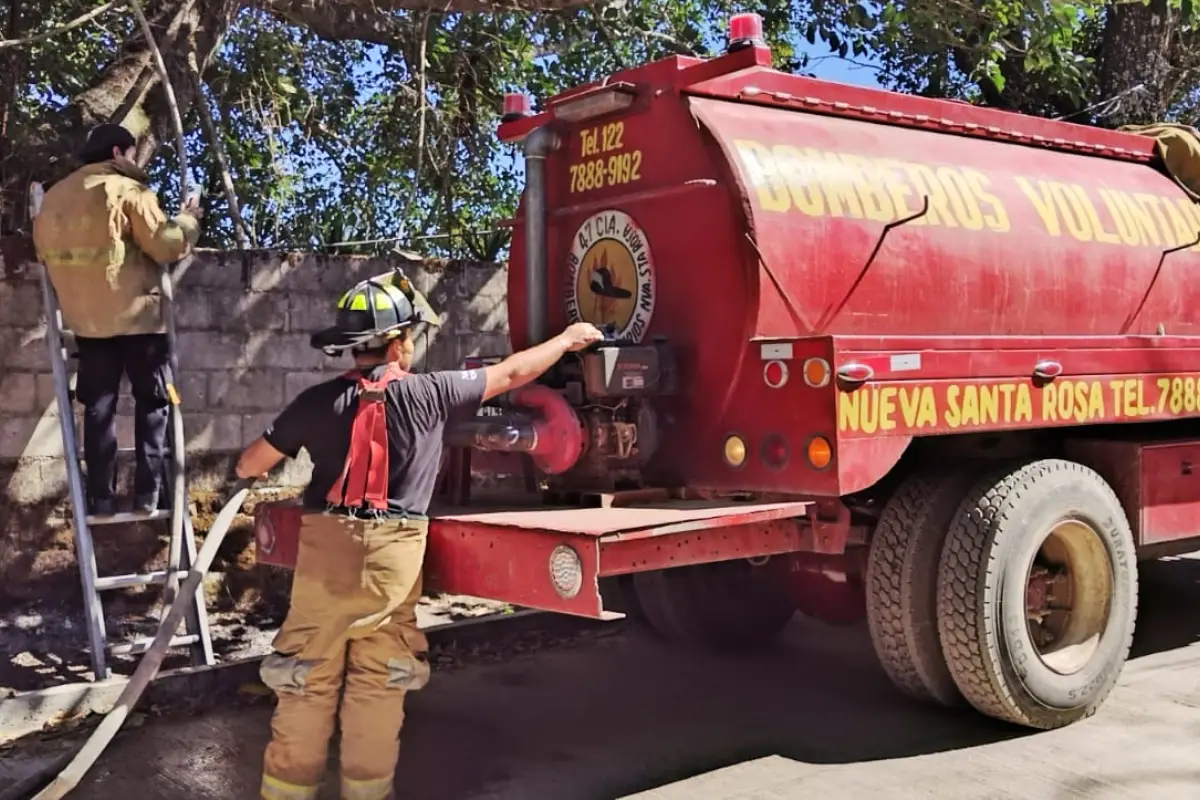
[365, 475]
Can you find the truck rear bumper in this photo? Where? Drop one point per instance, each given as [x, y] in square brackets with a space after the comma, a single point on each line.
[553, 558]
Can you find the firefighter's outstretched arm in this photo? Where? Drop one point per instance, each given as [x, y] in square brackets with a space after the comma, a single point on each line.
[164, 240]
[258, 459]
[524, 367]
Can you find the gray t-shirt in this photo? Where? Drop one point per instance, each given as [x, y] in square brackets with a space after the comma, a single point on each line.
[418, 408]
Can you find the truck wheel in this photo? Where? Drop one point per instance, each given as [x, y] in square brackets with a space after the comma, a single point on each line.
[1037, 594]
[902, 568]
[725, 604]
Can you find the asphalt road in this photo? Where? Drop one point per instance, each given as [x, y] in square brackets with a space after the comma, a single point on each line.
[626, 716]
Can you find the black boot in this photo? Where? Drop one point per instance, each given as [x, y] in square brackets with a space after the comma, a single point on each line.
[102, 507]
[146, 502]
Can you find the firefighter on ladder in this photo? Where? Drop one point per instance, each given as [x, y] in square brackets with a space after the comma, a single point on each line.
[104, 241]
[374, 436]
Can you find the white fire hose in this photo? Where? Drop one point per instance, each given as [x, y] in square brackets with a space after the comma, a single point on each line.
[151, 662]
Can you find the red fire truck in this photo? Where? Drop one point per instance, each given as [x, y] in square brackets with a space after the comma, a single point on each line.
[872, 355]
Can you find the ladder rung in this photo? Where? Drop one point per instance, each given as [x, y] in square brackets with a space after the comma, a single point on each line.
[126, 581]
[126, 517]
[139, 646]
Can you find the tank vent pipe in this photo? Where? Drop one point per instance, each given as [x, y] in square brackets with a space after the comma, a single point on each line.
[538, 144]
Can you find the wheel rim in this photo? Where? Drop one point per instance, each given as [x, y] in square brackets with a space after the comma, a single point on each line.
[1068, 596]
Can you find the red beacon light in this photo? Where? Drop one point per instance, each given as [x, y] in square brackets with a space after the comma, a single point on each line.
[745, 30]
[516, 106]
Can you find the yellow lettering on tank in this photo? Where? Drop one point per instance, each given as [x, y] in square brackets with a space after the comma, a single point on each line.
[1042, 202]
[925, 181]
[1191, 215]
[760, 168]
[1085, 204]
[962, 200]
[841, 198]
[1142, 220]
[801, 179]
[899, 191]
[1184, 234]
[1076, 222]
[989, 404]
[1126, 230]
[848, 410]
[1153, 206]
[994, 214]
[887, 408]
[953, 414]
[1024, 409]
[876, 203]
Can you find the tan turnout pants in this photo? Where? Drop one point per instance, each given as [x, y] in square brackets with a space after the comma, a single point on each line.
[351, 625]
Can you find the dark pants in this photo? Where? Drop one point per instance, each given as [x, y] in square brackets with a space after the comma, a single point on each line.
[145, 358]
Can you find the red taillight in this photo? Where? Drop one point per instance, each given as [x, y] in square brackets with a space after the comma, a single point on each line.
[775, 451]
[775, 374]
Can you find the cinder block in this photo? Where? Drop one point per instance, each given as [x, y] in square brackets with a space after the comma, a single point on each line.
[249, 389]
[208, 350]
[193, 310]
[25, 349]
[213, 433]
[212, 269]
[18, 393]
[296, 382]
[291, 351]
[193, 391]
[30, 437]
[253, 426]
[21, 303]
[309, 313]
[249, 311]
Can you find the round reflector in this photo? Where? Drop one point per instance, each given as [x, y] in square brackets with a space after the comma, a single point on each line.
[735, 450]
[566, 571]
[819, 452]
[775, 374]
[775, 451]
[816, 372]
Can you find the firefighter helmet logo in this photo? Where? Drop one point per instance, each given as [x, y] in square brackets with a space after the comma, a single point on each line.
[611, 274]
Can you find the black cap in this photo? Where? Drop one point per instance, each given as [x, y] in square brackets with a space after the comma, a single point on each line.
[102, 140]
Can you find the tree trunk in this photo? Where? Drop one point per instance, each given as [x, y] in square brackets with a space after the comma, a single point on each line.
[1140, 45]
[12, 75]
[126, 91]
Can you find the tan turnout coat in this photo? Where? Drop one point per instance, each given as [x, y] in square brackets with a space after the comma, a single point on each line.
[104, 241]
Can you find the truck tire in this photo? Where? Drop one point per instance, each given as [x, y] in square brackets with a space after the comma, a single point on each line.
[902, 570]
[1037, 594]
[722, 605]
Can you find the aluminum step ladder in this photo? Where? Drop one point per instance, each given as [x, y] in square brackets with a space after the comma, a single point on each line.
[182, 551]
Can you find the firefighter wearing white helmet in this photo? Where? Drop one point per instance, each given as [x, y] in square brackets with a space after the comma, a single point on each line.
[351, 624]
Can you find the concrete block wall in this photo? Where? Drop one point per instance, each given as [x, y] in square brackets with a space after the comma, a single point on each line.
[244, 323]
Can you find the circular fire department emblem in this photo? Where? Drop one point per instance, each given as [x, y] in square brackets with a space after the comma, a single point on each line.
[611, 274]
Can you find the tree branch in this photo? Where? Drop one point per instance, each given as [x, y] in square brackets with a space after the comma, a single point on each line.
[67, 26]
[375, 21]
[242, 231]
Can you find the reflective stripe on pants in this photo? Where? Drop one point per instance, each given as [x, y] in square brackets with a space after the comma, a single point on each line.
[275, 789]
[378, 789]
[352, 623]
